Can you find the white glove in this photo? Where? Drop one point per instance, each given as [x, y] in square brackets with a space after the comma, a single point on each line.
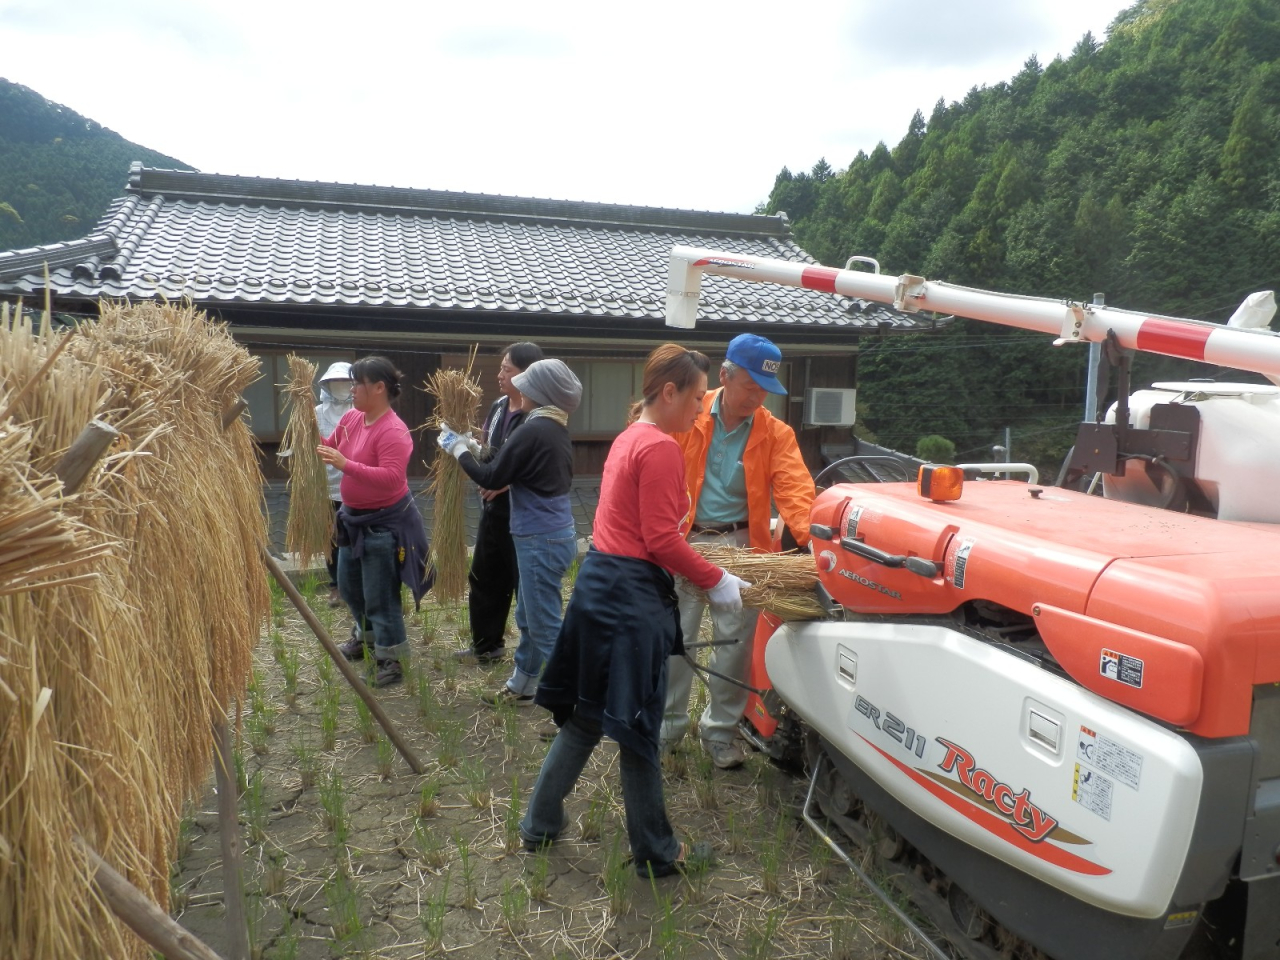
[451, 442]
[726, 596]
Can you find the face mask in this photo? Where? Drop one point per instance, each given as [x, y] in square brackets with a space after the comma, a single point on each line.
[340, 391]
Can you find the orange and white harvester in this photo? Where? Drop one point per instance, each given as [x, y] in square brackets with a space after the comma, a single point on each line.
[1055, 716]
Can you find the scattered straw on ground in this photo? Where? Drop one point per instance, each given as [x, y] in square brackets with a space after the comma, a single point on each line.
[348, 858]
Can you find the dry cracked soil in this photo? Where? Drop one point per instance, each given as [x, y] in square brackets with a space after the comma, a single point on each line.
[348, 853]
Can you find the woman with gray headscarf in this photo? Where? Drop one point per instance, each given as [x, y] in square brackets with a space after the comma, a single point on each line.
[537, 463]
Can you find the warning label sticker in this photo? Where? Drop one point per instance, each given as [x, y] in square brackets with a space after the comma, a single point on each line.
[1121, 667]
[961, 561]
[1114, 759]
[851, 525]
[1092, 791]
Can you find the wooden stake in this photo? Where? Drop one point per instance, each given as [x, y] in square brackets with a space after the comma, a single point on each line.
[229, 834]
[331, 648]
[148, 921]
[74, 467]
[232, 413]
[228, 817]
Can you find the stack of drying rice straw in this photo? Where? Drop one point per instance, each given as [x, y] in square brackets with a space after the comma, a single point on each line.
[457, 394]
[310, 524]
[782, 583]
[116, 652]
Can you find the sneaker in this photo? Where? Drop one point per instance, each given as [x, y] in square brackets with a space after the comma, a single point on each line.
[389, 672]
[355, 646]
[547, 731]
[335, 598]
[505, 694]
[725, 755]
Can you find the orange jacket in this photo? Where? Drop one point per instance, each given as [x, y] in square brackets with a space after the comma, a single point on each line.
[773, 467]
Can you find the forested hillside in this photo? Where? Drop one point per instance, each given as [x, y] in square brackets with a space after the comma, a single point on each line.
[58, 170]
[1143, 167]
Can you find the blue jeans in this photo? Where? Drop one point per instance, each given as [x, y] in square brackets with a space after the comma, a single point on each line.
[653, 843]
[542, 559]
[370, 586]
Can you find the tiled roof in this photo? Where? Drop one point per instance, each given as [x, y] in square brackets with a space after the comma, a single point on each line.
[225, 240]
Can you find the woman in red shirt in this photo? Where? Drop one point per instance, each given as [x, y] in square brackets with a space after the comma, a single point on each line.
[381, 542]
[607, 675]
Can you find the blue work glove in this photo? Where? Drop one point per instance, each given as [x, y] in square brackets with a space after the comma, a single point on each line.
[454, 443]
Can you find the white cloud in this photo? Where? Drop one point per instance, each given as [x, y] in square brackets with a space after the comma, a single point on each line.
[673, 103]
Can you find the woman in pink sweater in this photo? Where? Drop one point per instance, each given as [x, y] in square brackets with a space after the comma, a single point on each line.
[381, 542]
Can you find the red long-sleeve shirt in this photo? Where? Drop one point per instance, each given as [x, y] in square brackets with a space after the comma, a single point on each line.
[377, 458]
[643, 503]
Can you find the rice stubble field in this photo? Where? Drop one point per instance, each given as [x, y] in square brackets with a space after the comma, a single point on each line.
[348, 853]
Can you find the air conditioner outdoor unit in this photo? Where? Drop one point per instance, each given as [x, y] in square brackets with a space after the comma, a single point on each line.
[827, 407]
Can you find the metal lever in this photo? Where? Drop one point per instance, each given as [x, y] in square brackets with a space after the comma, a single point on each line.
[917, 565]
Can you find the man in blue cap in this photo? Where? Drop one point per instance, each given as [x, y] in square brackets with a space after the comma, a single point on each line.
[737, 458]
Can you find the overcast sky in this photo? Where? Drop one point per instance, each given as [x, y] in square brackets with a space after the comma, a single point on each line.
[679, 104]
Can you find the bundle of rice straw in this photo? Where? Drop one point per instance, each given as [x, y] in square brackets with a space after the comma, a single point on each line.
[457, 394]
[309, 528]
[40, 546]
[782, 583]
[108, 683]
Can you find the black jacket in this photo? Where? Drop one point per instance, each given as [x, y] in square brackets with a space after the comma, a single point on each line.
[496, 432]
[610, 659]
[402, 518]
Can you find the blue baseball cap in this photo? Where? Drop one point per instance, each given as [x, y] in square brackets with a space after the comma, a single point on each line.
[758, 357]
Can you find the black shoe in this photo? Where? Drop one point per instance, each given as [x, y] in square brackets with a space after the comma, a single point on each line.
[537, 846]
[469, 656]
[389, 672]
[693, 858]
[354, 647]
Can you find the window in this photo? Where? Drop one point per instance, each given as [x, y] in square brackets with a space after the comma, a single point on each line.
[268, 403]
[608, 390]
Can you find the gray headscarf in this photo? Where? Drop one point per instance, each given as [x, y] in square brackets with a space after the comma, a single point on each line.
[550, 383]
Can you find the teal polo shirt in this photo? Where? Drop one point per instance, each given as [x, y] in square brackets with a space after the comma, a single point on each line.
[724, 483]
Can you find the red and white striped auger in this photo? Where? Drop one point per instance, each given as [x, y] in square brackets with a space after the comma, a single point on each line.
[1257, 350]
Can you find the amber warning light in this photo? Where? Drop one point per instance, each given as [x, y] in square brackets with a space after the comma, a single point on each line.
[940, 483]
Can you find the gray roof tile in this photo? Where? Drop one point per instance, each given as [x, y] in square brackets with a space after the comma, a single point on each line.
[224, 240]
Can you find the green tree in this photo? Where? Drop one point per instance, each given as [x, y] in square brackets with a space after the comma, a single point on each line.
[935, 449]
[1143, 166]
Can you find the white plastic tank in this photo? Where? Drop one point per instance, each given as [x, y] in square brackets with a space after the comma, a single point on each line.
[1237, 462]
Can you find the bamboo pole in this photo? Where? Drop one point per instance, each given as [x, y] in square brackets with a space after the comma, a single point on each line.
[362, 691]
[228, 815]
[229, 835]
[148, 921]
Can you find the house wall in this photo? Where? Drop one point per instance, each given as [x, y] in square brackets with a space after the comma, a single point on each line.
[413, 405]
[590, 447]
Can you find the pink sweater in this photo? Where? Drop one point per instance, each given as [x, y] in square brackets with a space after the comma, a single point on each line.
[643, 503]
[377, 457]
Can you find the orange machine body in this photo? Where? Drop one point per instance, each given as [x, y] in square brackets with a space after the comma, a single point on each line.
[1172, 615]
